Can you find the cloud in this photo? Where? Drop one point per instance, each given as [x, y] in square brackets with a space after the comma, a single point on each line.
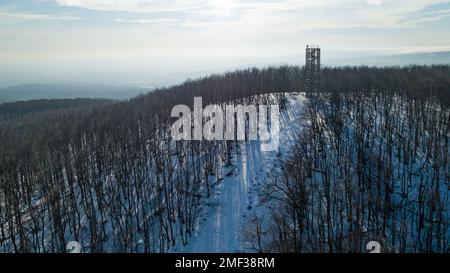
[294, 15]
[283, 15]
[140, 6]
[373, 2]
[32, 16]
[392, 14]
[429, 16]
[158, 21]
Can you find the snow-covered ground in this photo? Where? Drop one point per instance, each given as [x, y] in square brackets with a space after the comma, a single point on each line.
[240, 194]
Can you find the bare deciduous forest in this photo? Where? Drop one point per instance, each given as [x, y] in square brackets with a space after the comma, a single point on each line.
[366, 166]
[372, 161]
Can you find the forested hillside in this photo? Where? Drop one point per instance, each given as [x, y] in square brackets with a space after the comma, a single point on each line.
[372, 159]
[19, 109]
[366, 166]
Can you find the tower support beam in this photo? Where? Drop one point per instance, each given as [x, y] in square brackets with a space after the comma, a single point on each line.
[312, 69]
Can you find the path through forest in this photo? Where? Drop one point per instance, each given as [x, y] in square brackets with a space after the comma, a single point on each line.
[237, 197]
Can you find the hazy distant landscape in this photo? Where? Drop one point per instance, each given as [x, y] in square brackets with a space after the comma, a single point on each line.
[31, 91]
[66, 91]
[404, 59]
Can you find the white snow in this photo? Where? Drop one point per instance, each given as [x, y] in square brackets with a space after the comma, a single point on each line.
[237, 197]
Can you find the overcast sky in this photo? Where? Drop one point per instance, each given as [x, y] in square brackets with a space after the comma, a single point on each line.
[140, 42]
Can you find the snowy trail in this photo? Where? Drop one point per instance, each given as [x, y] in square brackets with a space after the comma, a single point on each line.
[221, 225]
[220, 229]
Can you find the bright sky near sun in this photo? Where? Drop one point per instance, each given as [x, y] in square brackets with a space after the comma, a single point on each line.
[64, 37]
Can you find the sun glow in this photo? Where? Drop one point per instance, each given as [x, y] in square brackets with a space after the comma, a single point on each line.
[223, 7]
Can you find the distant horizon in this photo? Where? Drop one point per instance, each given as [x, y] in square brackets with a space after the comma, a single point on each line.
[160, 43]
[371, 58]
